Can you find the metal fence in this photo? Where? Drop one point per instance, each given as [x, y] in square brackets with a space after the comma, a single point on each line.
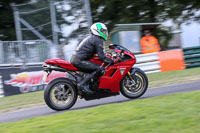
[1, 87]
[12, 52]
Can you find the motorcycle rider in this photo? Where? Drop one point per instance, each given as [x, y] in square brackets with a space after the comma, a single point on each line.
[91, 45]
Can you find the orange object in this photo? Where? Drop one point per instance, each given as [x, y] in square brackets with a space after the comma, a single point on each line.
[171, 60]
[149, 44]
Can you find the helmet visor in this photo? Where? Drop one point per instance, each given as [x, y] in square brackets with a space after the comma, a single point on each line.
[104, 31]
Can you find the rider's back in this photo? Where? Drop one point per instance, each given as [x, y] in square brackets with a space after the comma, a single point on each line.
[87, 48]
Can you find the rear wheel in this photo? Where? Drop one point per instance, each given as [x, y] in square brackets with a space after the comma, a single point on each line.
[134, 86]
[60, 94]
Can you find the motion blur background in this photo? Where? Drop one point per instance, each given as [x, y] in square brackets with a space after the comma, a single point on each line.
[66, 21]
[32, 31]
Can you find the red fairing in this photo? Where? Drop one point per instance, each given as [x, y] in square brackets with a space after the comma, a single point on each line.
[127, 53]
[61, 63]
[114, 74]
[96, 60]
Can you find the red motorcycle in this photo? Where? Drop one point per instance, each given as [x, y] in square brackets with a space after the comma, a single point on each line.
[61, 93]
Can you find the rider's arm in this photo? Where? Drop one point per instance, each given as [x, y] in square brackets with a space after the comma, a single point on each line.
[99, 50]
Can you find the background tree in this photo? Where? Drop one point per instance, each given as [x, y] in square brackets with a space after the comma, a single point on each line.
[7, 27]
[75, 26]
[70, 15]
[146, 11]
[108, 11]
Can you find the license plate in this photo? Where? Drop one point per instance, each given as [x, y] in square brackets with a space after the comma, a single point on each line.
[45, 76]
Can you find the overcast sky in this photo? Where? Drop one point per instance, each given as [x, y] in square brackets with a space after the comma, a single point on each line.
[190, 35]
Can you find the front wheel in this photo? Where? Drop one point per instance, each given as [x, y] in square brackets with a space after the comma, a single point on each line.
[134, 85]
[60, 94]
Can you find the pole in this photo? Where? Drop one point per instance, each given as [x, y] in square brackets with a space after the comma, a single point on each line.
[31, 28]
[53, 22]
[17, 23]
[37, 33]
[88, 13]
[19, 34]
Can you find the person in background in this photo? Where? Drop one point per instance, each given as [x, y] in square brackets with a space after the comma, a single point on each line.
[149, 43]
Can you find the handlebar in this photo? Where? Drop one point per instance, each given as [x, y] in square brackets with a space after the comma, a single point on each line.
[110, 64]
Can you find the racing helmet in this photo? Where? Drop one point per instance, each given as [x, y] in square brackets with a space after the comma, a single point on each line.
[99, 29]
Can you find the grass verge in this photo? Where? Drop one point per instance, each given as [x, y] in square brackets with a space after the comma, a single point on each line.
[29, 100]
[177, 113]
[173, 77]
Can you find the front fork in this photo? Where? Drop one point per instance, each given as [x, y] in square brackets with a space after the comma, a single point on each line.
[129, 74]
[133, 81]
[132, 75]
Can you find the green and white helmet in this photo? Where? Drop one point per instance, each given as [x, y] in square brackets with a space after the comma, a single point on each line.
[99, 29]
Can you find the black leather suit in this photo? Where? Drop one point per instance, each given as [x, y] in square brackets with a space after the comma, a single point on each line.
[85, 51]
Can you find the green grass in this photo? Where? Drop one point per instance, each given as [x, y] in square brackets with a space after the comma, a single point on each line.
[29, 100]
[174, 77]
[177, 113]
[21, 101]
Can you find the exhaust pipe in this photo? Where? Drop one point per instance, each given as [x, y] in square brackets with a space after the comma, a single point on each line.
[49, 67]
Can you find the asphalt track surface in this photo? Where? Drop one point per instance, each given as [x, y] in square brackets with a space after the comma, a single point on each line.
[81, 104]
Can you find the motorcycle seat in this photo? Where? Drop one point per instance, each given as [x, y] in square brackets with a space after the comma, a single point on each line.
[61, 63]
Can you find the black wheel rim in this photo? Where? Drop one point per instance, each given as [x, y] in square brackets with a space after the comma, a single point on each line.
[132, 87]
[62, 95]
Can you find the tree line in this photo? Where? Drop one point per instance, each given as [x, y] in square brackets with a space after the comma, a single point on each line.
[113, 12]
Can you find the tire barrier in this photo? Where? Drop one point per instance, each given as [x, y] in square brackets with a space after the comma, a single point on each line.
[192, 56]
[171, 60]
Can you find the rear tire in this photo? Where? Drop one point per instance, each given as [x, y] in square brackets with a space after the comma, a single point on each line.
[60, 94]
[134, 89]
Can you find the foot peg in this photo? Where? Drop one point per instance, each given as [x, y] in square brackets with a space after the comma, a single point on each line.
[85, 89]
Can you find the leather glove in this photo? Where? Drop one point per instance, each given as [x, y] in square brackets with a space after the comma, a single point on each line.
[108, 55]
[116, 60]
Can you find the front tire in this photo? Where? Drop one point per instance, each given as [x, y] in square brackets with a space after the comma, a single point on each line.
[134, 86]
[60, 94]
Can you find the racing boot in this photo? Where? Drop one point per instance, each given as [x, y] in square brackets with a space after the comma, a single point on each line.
[84, 84]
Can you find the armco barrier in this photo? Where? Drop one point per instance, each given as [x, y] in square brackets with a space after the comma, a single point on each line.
[192, 56]
[148, 62]
[1, 88]
[15, 79]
